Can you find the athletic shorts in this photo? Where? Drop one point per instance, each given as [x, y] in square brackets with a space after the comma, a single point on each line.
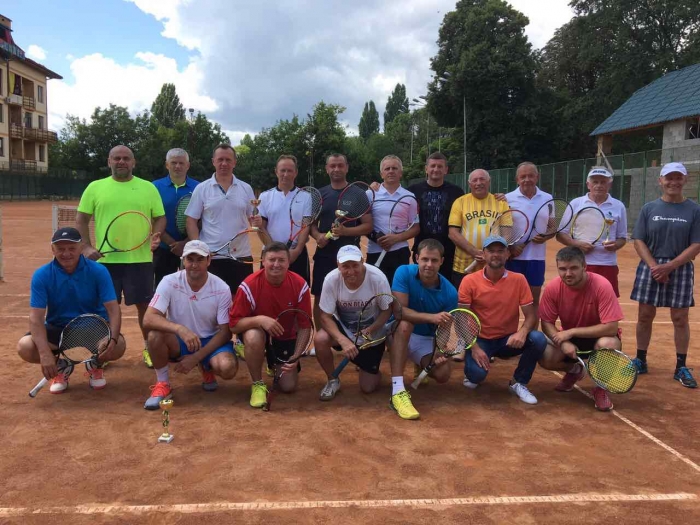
[231, 272]
[301, 266]
[609, 272]
[532, 270]
[584, 344]
[419, 346]
[322, 267]
[225, 348]
[53, 335]
[392, 260]
[134, 280]
[368, 359]
[282, 349]
[165, 262]
[676, 293]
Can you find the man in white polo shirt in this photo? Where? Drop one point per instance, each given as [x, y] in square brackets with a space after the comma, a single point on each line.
[188, 322]
[529, 259]
[274, 214]
[601, 256]
[386, 194]
[223, 203]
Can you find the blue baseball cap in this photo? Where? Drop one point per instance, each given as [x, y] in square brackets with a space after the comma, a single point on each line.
[491, 239]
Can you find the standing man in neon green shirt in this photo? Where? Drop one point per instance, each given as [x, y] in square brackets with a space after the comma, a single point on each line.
[131, 272]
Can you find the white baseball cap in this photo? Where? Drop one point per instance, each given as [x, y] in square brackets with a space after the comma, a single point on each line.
[598, 170]
[673, 167]
[349, 253]
[198, 247]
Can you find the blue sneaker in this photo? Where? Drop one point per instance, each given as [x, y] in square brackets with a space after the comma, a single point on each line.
[640, 365]
[685, 378]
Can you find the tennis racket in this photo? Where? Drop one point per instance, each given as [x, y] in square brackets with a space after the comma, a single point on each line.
[452, 339]
[246, 247]
[611, 370]
[512, 225]
[128, 231]
[403, 215]
[588, 224]
[180, 217]
[551, 218]
[294, 343]
[82, 339]
[354, 201]
[379, 319]
[303, 212]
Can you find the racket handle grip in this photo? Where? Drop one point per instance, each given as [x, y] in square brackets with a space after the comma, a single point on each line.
[41, 384]
[329, 235]
[340, 368]
[423, 374]
[381, 258]
[469, 268]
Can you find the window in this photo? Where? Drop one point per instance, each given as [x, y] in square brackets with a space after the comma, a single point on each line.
[41, 122]
[2, 75]
[40, 94]
[2, 113]
[692, 129]
[27, 120]
[42, 153]
[2, 146]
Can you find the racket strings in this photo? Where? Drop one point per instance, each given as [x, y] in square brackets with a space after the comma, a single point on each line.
[248, 245]
[128, 231]
[588, 225]
[84, 337]
[354, 201]
[298, 327]
[552, 217]
[372, 309]
[306, 207]
[459, 335]
[404, 214]
[613, 371]
[511, 226]
[180, 217]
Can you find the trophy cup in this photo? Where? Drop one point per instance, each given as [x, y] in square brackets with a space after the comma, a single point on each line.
[255, 203]
[339, 215]
[609, 221]
[166, 436]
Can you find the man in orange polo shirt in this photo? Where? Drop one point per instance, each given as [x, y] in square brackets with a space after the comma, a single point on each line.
[496, 296]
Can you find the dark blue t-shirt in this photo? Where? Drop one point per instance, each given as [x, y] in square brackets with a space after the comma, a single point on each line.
[325, 222]
[66, 296]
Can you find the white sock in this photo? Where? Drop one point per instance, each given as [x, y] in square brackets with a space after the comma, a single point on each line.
[397, 385]
[162, 374]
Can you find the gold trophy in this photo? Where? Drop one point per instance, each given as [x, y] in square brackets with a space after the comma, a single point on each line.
[255, 203]
[166, 436]
[609, 221]
[339, 215]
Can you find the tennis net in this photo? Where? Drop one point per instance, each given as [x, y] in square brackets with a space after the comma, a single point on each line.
[64, 216]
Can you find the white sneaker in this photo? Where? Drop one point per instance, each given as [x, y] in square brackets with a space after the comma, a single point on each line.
[59, 384]
[312, 351]
[523, 393]
[330, 390]
[469, 384]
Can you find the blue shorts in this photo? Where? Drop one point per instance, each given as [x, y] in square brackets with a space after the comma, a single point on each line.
[227, 347]
[532, 270]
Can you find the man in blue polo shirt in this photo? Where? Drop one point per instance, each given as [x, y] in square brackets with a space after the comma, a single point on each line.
[172, 187]
[61, 290]
[426, 297]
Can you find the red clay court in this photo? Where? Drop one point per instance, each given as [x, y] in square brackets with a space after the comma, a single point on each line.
[477, 456]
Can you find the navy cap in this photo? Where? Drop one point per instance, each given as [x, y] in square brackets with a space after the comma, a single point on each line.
[66, 234]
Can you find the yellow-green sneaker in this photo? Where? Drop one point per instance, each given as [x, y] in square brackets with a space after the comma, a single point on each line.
[258, 394]
[240, 350]
[147, 358]
[401, 403]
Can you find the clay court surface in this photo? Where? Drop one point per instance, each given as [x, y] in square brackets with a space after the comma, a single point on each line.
[477, 456]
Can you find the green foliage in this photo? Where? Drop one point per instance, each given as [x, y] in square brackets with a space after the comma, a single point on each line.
[166, 108]
[369, 121]
[396, 104]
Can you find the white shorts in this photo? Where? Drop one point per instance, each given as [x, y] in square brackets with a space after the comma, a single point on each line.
[419, 346]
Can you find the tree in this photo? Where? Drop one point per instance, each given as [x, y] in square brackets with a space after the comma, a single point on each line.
[166, 108]
[369, 121]
[396, 104]
[487, 61]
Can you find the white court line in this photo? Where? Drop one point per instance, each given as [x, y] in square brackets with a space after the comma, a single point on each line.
[27, 316]
[195, 508]
[643, 432]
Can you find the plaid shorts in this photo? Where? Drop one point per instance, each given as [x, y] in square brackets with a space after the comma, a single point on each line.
[676, 293]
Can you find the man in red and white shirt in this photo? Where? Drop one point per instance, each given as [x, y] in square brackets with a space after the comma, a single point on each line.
[260, 298]
[188, 322]
[589, 312]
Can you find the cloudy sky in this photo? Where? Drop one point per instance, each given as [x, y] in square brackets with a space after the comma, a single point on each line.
[245, 64]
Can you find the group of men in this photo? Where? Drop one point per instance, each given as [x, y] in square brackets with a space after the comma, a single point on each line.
[194, 313]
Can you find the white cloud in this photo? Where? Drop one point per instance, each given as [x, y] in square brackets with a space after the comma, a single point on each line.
[100, 81]
[36, 52]
[546, 16]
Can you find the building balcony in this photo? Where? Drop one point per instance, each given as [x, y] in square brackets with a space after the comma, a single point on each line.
[16, 131]
[28, 103]
[14, 100]
[23, 165]
[40, 135]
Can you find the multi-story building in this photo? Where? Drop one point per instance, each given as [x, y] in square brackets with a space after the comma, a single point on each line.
[24, 133]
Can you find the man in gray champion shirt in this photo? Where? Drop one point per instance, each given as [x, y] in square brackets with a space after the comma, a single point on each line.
[667, 239]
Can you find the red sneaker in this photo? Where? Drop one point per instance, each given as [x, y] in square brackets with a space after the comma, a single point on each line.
[159, 392]
[209, 381]
[602, 399]
[571, 378]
